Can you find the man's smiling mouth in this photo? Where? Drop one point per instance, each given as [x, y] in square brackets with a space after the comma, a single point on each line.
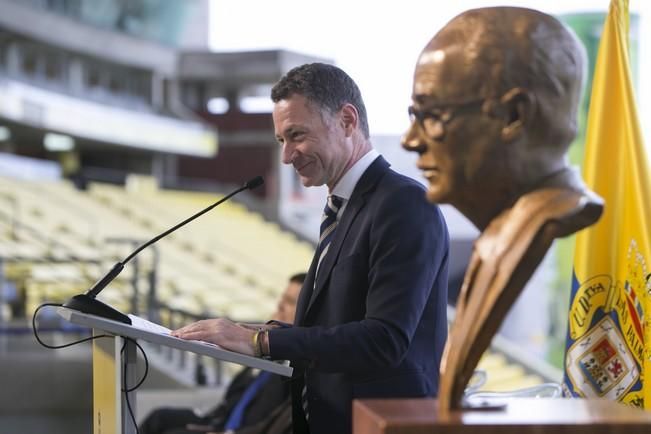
[299, 169]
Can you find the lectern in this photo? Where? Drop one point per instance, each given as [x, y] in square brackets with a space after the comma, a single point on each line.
[518, 416]
[110, 363]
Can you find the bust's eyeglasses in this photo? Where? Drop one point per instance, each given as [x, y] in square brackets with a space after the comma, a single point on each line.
[434, 120]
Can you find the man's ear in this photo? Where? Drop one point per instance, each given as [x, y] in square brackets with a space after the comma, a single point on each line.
[518, 107]
[349, 118]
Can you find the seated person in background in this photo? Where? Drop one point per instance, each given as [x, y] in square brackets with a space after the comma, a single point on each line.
[253, 403]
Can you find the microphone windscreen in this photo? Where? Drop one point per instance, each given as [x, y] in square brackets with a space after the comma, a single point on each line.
[255, 182]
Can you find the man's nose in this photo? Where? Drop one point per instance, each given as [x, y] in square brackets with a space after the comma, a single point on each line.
[287, 154]
[412, 141]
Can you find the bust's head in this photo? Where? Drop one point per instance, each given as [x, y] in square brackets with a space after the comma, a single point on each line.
[494, 107]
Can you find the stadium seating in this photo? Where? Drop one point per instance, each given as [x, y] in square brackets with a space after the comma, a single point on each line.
[230, 262]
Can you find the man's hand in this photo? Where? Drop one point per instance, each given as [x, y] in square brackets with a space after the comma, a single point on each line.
[222, 332]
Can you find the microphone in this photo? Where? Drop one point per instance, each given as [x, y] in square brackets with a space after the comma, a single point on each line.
[87, 303]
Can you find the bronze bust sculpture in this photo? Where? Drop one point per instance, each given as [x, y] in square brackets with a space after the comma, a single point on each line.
[495, 100]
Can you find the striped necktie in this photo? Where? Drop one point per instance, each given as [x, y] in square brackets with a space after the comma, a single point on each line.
[328, 226]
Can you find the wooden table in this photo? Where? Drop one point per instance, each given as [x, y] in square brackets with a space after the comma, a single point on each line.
[520, 416]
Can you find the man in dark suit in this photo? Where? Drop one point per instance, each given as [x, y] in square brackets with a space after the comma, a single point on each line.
[371, 317]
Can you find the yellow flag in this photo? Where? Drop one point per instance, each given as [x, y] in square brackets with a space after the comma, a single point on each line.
[608, 350]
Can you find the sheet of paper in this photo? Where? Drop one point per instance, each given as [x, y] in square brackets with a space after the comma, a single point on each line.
[149, 326]
[144, 324]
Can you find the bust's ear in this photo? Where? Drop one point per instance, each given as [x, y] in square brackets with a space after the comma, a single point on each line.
[518, 107]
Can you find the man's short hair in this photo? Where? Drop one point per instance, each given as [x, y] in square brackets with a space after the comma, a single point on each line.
[326, 86]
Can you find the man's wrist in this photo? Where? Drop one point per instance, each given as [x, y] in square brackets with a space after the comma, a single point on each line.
[264, 343]
[260, 342]
[255, 343]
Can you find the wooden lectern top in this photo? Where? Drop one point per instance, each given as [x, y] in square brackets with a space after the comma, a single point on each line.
[520, 416]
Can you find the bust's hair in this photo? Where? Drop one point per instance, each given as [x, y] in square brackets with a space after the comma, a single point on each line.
[519, 47]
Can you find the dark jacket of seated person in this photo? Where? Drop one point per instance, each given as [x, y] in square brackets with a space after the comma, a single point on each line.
[254, 402]
[268, 408]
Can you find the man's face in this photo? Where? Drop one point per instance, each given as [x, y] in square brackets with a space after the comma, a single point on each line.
[312, 141]
[457, 141]
[287, 305]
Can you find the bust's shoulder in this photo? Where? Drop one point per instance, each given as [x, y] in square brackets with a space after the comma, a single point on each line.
[568, 209]
[560, 211]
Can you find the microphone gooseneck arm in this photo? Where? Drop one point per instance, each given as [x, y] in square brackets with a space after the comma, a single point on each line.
[87, 303]
[183, 223]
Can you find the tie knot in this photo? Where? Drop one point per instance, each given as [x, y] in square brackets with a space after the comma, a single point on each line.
[328, 225]
[334, 203]
[331, 209]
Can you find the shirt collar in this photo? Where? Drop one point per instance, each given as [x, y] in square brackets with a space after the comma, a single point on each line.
[347, 183]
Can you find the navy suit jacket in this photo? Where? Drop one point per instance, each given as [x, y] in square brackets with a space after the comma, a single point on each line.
[374, 323]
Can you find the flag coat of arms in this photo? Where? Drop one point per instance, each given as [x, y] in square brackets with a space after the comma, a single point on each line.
[608, 352]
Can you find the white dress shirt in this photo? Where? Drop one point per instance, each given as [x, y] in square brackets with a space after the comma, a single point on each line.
[348, 182]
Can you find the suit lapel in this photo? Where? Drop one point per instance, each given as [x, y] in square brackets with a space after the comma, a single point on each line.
[306, 294]
[356, 203]
[335, 246]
